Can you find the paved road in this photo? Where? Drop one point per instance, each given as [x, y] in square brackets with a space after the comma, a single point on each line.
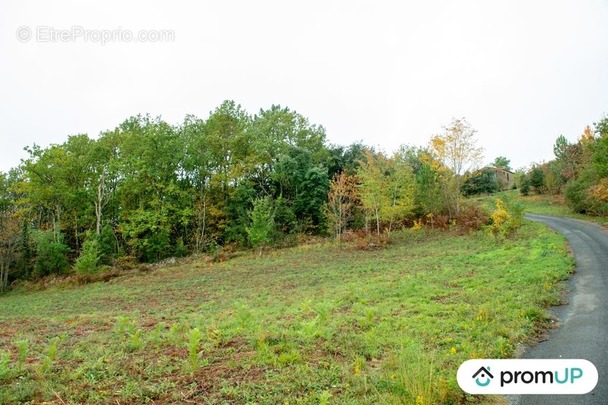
[583, 332]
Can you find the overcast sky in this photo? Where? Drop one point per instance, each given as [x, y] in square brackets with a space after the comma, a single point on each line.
[387, 73]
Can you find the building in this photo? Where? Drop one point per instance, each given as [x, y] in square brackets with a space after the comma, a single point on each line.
[505, 178]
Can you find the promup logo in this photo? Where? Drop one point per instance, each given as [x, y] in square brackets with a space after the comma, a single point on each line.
[484, 374]
[527, 376]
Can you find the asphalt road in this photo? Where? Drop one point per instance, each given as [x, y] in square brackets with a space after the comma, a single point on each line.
[583, 323]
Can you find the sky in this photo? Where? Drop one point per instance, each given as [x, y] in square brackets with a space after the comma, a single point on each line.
[383, 72]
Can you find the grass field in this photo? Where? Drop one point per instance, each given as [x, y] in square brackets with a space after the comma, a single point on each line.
[313, 324]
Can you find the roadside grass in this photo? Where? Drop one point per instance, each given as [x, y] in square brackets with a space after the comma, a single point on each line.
[313, 324]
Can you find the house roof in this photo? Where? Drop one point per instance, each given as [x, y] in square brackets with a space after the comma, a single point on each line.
[483, 370]
[499, 168]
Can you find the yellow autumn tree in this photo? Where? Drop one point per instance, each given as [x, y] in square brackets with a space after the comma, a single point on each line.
[456, 149]
[386, 189]
[341, 200]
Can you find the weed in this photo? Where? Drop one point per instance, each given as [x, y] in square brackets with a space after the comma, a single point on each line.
[324, 397]
[135, 341]
[50, 355]
[194, 339]
[5, 370]
[22, 350]
[123, 325]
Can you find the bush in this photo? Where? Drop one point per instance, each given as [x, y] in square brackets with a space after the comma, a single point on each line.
[89, 257]
[284, 218]
[536, 179]
[480, 182]
[50, 253]
[583, 194]
[262, 223]
[106, 245]
[506, 218]
[500, 218]
[524, 188]
[471, 218]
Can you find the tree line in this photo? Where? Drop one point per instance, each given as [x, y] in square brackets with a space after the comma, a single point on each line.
[148, 190]
[579, 171]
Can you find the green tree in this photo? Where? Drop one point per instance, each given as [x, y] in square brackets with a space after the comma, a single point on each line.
[197, 172]
[262, 224]
[89, 257]
[304, 184]
[427, 172]
[51, 253]
[153, 207]
[502, 162]
[536, 178]
[524, 184]
[104, 164]
[372, 187]
[400, 184]
[386, 189]
[479, 182]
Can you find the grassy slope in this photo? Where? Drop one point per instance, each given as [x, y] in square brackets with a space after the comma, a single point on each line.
[312, 324]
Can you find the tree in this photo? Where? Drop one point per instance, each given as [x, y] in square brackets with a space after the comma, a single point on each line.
[153, 207]
[386, 189]
[524, 184]
[103, 180]
[10, 232]
[536, 178]
[151, 190]
[502, 162]
[456, 149]
[372, 187]
[89, 257]
[50, 253]
[427, 172]
[303, 183]
[560, 147]
[479, 182]
[262, 223]
[341, 201]
[400, 184]
[197, 171]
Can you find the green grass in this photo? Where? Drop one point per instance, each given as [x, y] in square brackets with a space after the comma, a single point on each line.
[313, 324]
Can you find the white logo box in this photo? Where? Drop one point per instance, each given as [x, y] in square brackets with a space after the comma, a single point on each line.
[527, 376]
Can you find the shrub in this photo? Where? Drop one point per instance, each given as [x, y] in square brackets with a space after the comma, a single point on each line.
[368, 242]
[500, 217]
[524, 189]
[506, 218]
[537, 179]
[89, 257]
[262, 223]
[107, 245]
[50, 253]
[471, 218]
[586, 194]
[482, 181]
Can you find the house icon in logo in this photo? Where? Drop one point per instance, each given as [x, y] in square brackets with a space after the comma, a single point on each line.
[483, 373]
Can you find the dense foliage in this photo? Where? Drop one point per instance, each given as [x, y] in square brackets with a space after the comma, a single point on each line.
[480, 182]
[148, 190]
[579, 171]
